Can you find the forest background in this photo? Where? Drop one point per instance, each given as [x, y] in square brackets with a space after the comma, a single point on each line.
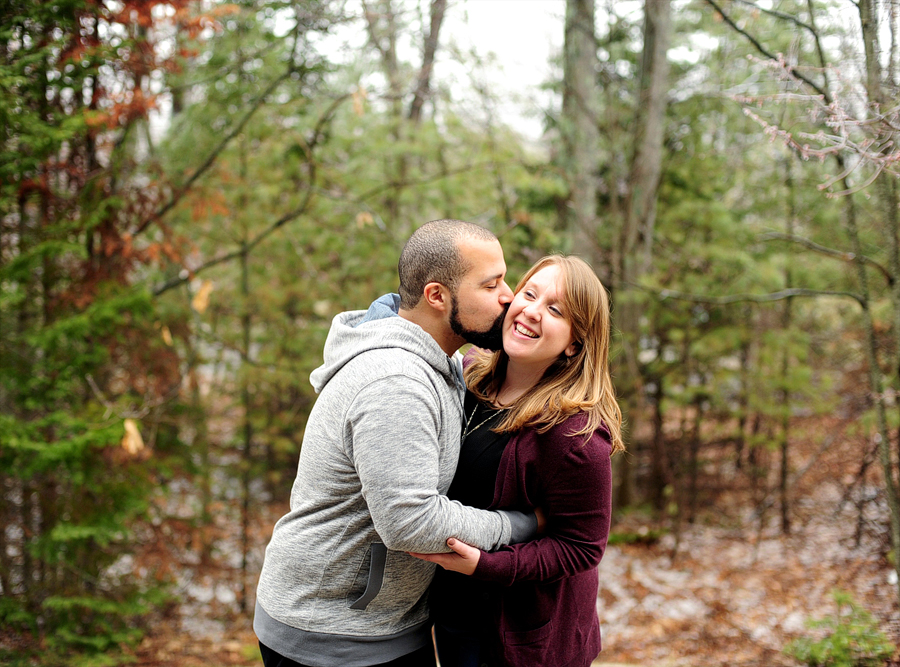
[190, 191]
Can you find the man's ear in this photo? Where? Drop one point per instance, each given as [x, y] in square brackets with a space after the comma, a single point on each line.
[437, 296]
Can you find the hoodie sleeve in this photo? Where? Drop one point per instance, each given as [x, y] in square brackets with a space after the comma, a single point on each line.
[393, 426]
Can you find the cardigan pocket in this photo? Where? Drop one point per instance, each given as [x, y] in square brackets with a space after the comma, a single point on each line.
[523, 637]
[377, 558]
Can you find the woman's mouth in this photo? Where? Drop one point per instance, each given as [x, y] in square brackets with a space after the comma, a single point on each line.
[525, 332]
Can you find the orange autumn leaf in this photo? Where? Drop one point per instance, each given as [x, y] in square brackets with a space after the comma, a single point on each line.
[200, 302]
[359, 99]
[132, 442]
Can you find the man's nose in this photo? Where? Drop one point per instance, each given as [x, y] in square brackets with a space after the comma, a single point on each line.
[506, 294]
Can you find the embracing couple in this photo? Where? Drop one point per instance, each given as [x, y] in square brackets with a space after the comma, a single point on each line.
[413, 456]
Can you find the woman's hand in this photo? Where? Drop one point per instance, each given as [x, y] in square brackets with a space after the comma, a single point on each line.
[541, 521]
[464, 558]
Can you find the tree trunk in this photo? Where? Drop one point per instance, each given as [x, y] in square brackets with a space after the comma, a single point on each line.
[646, 166]
[740, 443]
[385, 42]
[640, 203]
[785, 402]
[694, 459]
[246, 460]
[200, 444]
[384, 31]
[659, 473]
[893, 19]
[246, 449]
[876, 385]
[887, 194]
[579, 121]
[580, 140]
[26, 520]
[6, 520]
[423, 86]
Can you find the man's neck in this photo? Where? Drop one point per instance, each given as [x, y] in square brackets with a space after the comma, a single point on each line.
[434, 327]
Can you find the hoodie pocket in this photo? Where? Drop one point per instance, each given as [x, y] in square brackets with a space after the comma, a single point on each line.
[377, 557]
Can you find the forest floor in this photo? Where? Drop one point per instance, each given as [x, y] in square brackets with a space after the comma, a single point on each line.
[730, 589]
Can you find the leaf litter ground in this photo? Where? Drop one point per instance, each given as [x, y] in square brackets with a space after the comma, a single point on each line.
[730, 590]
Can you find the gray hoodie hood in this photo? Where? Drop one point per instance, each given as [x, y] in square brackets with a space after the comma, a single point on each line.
[380, 327]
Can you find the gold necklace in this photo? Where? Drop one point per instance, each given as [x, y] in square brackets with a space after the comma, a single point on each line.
[467, 430]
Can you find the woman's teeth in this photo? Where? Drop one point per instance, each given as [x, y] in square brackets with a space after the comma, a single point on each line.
[525, 332]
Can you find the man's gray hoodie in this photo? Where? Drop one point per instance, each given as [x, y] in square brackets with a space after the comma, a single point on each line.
[379, 451]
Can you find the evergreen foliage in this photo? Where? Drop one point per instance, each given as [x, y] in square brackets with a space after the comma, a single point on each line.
[852, 639]
[79, 351]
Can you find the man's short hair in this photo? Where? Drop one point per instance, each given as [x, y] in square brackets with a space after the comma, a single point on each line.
[431, 255]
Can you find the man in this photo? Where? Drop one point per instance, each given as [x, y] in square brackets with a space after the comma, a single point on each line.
[380, 448]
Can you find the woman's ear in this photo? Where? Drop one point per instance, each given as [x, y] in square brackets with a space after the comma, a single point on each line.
[572, 350]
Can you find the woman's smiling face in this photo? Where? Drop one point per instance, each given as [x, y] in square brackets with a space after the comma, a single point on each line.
[537, 329]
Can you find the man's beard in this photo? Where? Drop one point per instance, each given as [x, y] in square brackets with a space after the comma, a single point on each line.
[491, 339]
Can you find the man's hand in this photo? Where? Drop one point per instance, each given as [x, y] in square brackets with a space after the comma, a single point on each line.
[464, 558]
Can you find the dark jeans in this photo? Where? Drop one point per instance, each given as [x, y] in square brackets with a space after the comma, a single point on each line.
[424, 657]
[461, 648]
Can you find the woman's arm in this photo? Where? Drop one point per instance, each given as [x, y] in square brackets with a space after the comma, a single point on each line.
[578, 500]
[578, 504]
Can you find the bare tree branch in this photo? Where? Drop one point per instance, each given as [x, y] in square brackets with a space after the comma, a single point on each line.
[664, 294]
[823, 63]
[211, 158]
[871, 148]
[780, 15]
[759, 47]
[378, 189]
[372, 28]
[234, 254]
[277, 224]
[134, 413]
[830, 252]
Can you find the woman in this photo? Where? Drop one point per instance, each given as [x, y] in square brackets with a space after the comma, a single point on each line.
[541, 424]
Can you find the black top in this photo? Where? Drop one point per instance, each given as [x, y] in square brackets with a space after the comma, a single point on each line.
[457, 600]
[479, 457]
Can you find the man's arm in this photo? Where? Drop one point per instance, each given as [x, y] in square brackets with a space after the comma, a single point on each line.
[394, 425]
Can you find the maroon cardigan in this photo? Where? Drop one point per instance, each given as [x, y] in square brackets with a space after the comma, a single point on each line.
[547, 614]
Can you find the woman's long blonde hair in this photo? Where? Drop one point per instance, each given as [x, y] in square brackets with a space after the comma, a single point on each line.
[580, 383]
